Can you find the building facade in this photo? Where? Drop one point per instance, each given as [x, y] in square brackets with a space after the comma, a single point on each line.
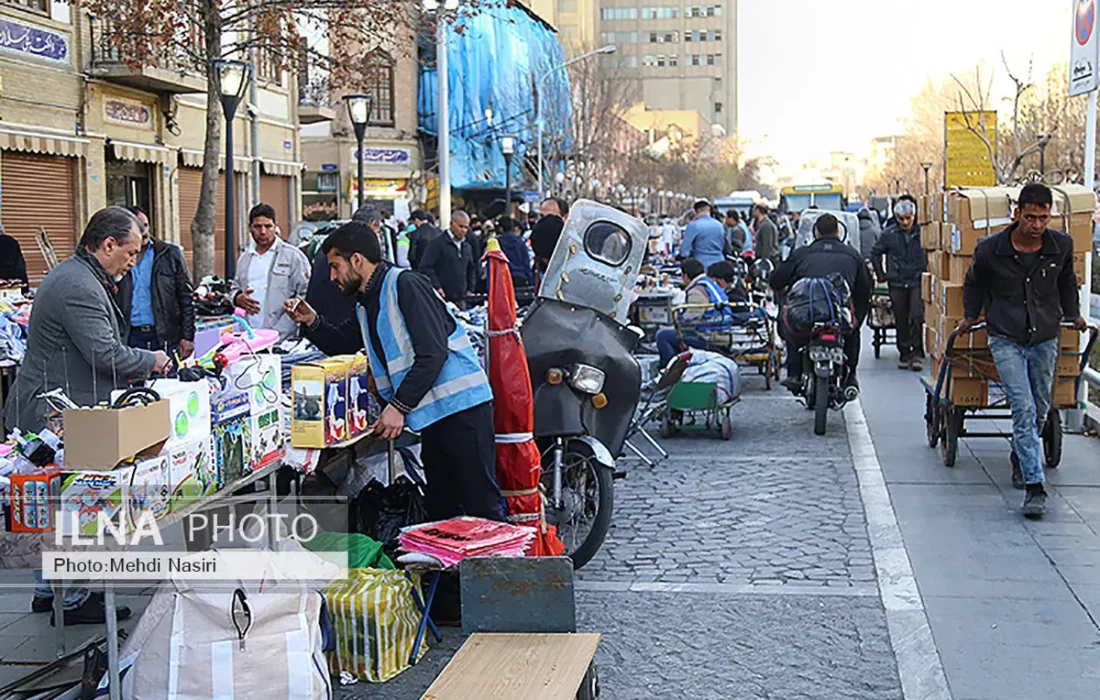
[80, 129]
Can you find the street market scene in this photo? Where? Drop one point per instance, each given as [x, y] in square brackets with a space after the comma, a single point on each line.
[549, 350]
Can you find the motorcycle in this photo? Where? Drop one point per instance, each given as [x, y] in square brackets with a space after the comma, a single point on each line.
[824, 371]
[586, 381]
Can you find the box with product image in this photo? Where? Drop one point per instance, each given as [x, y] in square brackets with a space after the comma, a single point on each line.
[191, 472]
[188, 408]
[34, 498]
[260, 377]
[84, 495]
[267, 438]
[359, 398]
[231, 432]
[149, 488]
[320, 402]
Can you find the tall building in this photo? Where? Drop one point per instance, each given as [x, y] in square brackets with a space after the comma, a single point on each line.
[575, 21]
[684, 57]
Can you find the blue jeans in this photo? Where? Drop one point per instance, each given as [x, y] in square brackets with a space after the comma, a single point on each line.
[668, 344]
[1027, 372]
[72, 597]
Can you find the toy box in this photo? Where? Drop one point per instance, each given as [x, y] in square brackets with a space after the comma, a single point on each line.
[320, 402]
[86, 494]
[34, 499]
[149, 488]
[232, 435]
[267, 438]
[188, 408]
[260, 377]
[359, 414]
[191, 472]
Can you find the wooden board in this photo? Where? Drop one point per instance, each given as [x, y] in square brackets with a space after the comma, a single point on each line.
[510, 666]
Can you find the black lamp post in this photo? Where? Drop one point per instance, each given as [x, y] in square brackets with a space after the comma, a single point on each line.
[897, 185]
[508, 148]
[927, 166]
[359, 114]
[1044, 141]
[232, 81]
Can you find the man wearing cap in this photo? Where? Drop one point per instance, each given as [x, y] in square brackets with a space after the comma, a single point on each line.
[905, 262]
[704, 238]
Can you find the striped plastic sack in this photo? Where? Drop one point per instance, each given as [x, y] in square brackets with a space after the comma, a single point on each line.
[375, 619]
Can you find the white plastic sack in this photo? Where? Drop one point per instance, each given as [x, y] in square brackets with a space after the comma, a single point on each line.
[711, 367]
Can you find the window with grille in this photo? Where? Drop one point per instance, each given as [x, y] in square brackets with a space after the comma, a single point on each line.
[379, 85]
[41, 7]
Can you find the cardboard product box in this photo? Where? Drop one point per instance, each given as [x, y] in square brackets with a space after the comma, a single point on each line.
[939, 207]
[1065, 392]
[938, 264]
[320, 402]
[1070, 340]
[930, 236]
[192, 472]
[267, 438]
[188, 408]
[85, 494]
[951, 299]
[926, 286]
[1069, 365]
[260, 377]
[924, 209]
[962, 240]
[975, 340]
[149, 489]
[33, 499]
[1079, 265]
[100, 438]
[958, 265]
[232, 436]
[931, 342]
[359, 404]
[978, 208]
[1074, 206]
[969, 392]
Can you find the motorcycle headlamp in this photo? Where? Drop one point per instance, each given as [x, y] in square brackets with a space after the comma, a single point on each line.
[587, 379]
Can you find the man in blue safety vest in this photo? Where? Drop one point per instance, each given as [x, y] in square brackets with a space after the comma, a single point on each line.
[700, 289]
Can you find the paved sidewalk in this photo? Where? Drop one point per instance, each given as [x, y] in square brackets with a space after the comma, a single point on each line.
[1013, 604]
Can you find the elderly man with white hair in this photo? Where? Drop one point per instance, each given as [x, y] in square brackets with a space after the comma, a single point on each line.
[905, 261]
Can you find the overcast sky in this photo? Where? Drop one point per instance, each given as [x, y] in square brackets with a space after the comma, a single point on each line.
[872, 54]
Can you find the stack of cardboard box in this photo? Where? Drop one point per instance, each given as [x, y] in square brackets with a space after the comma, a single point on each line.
[956, 221]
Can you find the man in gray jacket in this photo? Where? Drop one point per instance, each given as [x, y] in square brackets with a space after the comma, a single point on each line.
[74, 339]
[269, 272]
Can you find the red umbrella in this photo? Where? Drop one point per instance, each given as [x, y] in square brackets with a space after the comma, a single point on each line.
[519, 465]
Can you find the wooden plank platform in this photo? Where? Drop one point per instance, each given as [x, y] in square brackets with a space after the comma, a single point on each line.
[511, 666]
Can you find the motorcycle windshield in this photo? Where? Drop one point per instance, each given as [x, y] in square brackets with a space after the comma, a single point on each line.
[849, 226]
[597, 260]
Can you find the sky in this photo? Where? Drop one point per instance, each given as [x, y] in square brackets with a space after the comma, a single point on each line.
[872, 55]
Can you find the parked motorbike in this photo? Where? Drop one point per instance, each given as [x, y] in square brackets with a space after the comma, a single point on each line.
[586, 381]
[824, 371]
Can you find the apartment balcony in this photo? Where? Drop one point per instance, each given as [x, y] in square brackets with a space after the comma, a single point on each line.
[315, 101]
[178, 72]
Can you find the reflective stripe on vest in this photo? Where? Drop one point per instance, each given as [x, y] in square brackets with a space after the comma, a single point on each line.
[461, 383]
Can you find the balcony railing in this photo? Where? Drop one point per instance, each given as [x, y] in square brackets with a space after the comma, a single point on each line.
[114, 52]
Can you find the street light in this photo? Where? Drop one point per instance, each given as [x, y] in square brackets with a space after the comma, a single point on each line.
[359, 114]
[559, 178]
[897, 185]
[508, 148]
[1044, 141]
[231, 83]
[927, 166]
[610, 48]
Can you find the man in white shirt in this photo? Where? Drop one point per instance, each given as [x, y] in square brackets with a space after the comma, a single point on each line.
[269, 272]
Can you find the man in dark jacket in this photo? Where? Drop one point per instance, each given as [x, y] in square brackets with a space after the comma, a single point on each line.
[155, 297]
[1023, 279]
[12, 264]
[425, 233]
[826, 256]
[767, 235]
[905, 262]
[449, 263]
[515, 249]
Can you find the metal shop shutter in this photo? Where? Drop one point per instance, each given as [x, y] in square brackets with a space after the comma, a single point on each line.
[38, 192]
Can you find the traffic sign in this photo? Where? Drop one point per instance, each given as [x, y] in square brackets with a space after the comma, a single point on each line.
[1083, 75]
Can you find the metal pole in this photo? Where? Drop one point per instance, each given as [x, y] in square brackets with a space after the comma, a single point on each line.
[112, 640]
[1043, 159]
[254, 118]
[538, 120]
[359, 158]
[508, 185]
[927, 186]
[230, 204]
[444, 121]
[1075, 419]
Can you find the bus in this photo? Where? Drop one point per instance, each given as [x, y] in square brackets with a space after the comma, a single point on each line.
[796, 198]
[742, 201]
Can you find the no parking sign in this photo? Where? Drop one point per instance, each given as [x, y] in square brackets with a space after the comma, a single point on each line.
[1083, 75]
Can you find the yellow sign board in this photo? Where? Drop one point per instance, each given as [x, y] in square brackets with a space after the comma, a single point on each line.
[967, 157]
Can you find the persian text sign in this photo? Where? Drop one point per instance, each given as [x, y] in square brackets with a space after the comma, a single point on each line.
[384, 156]
[968, 161]
[129, 112]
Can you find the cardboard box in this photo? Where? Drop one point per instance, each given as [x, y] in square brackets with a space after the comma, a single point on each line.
[188, 407]
[968, 391]
[926, 286]
[1079, 265]
[359, 413]
[958, 265]
[86, 494]
[951, 299]
[260, 377]
[931, 341]
[938, 264]
[1069, 365]
[149, 488]
[924, 209]
[192, 473]
[978, 208]
[33, 499]
[1074, 207]
[232, 436]
[975, 340]
[930, 236]
[962, 240]
[267, 438]
[100, 438]
[320, 400]
[1070, 340]
[1065, 393]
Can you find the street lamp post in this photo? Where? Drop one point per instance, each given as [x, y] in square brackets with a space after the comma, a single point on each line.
[897, 185]
[508, 148]
[1044, 141]
[359, 114]
[927, 187]
[610, 48]
[232, 81]
[443, 141]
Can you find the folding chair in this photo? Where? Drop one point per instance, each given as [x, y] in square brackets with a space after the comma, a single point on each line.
[656, 393]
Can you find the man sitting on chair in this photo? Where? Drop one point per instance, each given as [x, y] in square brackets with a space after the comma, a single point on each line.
[699, 290]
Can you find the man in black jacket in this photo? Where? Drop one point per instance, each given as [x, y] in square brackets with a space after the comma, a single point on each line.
[425, 233]
[449, 263]
[1023, 279]
[905, 261]
[827, 255]
[155, 297]
[12, 264]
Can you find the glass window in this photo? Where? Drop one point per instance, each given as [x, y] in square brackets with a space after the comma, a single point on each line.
[607, 243]
[710, 11]
[710, 59]
[567, 6]
[41, 7]
[653, 38]
[660, 61]
[671, 37]
[695, 59]
[718, 83]
[649, 12]
[379, 84]
[328, 182]
[649, 61]
[673, 61]
[717, 10]
[717, 59]
[717, 34]
[717, 107]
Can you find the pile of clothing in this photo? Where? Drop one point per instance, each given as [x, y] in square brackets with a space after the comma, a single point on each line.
[14, 320]
[712, 367]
